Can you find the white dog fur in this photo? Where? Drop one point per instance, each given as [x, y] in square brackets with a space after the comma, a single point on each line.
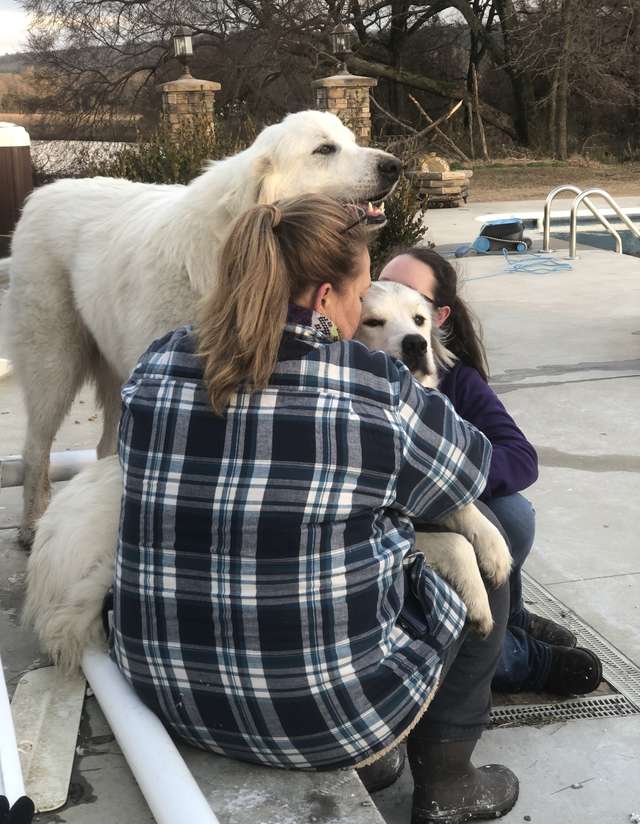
[73, 558]
[101, 267]
[72, 563]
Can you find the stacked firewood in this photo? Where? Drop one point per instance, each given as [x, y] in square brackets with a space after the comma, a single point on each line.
[438, 185]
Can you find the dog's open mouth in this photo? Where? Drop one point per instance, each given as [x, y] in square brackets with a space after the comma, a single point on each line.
[374, 212]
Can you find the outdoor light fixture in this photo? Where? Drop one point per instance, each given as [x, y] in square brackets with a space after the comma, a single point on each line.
[341, 44]
[182, 48]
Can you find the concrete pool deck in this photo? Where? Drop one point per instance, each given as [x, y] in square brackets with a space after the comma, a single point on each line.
[564, 350]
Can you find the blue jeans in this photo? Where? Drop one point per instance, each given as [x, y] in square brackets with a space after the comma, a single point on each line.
[524, 662]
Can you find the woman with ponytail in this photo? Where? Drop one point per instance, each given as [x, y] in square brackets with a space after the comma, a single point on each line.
[538, 655]
[267, 602]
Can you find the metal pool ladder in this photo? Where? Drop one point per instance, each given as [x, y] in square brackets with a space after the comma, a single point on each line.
[582, 196]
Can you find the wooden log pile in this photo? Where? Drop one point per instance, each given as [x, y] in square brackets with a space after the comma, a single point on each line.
[443, 189]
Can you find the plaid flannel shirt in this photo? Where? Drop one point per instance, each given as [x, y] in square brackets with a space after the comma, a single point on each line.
[259, 585]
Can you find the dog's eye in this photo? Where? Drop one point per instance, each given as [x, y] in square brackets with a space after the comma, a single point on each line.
[326, 149]
[373, 322]
[418, 320]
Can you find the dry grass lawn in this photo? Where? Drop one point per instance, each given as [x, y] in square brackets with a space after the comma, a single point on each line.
[516, 180]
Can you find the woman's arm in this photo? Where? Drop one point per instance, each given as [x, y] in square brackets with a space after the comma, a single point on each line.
[444, 460]
[514, 463]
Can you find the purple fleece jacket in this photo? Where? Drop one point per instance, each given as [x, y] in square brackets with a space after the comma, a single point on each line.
[514, 463]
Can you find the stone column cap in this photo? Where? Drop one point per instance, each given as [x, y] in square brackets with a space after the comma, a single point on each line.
[344, 80]
[190, 84]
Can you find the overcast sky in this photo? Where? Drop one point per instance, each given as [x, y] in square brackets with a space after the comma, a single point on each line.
[13, 26]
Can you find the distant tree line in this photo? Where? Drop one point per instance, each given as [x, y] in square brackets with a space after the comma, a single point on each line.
[553, 76]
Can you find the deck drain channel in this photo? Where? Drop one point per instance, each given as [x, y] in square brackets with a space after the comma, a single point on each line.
[622, 673]
[600, 706]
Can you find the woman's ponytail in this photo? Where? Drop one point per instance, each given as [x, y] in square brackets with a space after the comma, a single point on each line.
[241, 321]
[274, 254]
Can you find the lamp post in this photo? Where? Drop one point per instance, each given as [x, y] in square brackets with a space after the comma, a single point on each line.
[341, 45]
[182, 46]
[344, 94]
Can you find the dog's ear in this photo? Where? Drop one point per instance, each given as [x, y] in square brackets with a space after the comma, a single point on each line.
[253, 181]
[268, 181]
[442, 355]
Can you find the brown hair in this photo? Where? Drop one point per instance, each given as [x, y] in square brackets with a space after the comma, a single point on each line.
[462, 331]
[273, 254]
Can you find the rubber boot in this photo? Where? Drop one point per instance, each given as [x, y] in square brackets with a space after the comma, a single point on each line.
[448, 789]
[384, 772]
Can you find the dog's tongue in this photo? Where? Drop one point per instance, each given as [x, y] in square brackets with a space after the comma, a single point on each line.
[375, 214]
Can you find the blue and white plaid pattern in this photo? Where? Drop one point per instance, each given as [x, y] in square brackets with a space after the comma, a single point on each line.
[259, 577]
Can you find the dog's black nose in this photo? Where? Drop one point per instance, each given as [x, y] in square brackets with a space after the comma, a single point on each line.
[414, 345]
[390, 168]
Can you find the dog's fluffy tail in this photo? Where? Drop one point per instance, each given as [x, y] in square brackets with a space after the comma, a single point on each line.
[4, 272]
[72, 563]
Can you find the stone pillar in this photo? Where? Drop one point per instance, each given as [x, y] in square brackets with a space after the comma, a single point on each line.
[347, 95]
[188, 99]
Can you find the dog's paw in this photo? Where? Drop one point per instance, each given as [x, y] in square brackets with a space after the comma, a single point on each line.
[480, 620]
[474, 594]
[494, 558]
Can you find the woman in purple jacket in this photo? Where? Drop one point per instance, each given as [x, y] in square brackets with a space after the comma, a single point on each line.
[538, 654]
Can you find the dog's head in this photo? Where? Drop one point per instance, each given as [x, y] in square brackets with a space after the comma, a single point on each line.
[398, 320]
[315, 152]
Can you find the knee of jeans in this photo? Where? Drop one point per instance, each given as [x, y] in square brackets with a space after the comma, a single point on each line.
[518, 520]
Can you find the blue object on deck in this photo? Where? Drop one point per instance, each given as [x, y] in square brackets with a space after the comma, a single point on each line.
[501, 234]
[535, 264]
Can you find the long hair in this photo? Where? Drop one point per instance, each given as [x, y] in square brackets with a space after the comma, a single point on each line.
[273, 255]
[462, 330]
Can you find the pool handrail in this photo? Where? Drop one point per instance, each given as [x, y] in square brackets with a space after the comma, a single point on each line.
[584, 197]
[569, 187]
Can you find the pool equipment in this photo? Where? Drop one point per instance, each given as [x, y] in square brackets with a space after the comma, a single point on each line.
[535, 264]
[497, 235]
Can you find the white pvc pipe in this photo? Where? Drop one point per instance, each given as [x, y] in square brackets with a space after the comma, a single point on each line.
[168, 786]
[63, 466]
[11, 781]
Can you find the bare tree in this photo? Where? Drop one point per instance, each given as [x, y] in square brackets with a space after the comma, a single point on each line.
[532, 58]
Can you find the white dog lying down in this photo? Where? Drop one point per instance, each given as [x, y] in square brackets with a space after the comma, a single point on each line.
[100, 267]
[72, 563]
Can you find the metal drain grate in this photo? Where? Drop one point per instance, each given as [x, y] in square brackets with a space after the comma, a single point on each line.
[600, 706]
[618, 670]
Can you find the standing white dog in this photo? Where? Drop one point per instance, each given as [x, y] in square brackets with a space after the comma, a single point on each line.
[101, 267]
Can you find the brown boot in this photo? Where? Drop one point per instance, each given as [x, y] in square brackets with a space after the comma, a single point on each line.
[448, 789]
[383, 772]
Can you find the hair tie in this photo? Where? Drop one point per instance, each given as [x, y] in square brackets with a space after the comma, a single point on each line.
[276, 216]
